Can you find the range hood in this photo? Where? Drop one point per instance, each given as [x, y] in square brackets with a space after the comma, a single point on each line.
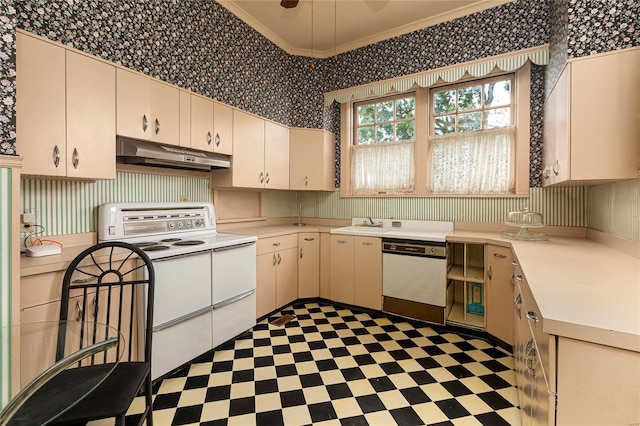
[134, 151]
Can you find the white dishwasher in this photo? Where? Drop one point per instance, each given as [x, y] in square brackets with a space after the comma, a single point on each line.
[414, 279]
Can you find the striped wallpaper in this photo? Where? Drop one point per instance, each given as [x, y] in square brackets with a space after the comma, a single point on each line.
[559, 207]
[71, 207]
[615, 208]
[5, 283]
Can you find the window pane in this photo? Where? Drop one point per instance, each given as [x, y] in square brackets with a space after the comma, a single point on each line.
[384, 133]
[365, 114]
[500, 117]
[444, 101]
[385, 111]
[405, 108]
[497, 93]
[445, 124]
[365, 135]
[405, 131]
[470, 98]
[469, 121]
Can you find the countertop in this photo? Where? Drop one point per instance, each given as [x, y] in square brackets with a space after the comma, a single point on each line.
[584, 289]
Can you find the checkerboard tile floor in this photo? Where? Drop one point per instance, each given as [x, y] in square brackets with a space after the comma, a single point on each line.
[334, 366]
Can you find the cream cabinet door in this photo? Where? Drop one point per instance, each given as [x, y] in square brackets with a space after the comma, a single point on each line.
[266, 283]
[222, 128]
[248, 151]
[40, 106]
[368, 272]
[276, 156]
[201, 123]
[133, 110]
[311, 160]
[287, 277]
[185, 119]
[499, 312]
[342, 269]
[91, 118]
[325, 266]
[308, 264]
[165, 110]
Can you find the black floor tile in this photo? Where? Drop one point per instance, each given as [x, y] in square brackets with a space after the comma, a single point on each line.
[452, 408]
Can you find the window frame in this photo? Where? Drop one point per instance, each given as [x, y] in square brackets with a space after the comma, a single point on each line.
[374, 101]
[521, 107]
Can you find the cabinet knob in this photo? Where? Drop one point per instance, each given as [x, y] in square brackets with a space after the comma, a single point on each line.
[556, 167]
[75, 159]
[514, 263]
[266, 179]
[532, 316]
[157, 126]
[546, 173]
[56, 156]
[145, 123]
[208, 138]
[217, 139]
[516, 305]
[306, 181]
[261, 177]
[80, 311]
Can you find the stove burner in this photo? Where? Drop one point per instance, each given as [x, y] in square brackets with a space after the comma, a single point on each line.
[170, 240]
[156, 247]
[146, 244]
[188, 243]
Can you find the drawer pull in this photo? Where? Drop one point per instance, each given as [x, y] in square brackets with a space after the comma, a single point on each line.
[145, 123]
[275, 260]
[276, 244]
[516, 304]
[532, 316]
[518, 277]
[217, 139]
[300, 252]
[514, 263]
[279, 258]
[342, 241]
[490, 272]
[309, 239]
[499, 255]
[80, 310]
[367, 244]
[56, 156]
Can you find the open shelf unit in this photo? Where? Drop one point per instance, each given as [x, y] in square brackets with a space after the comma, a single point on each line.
[465, 285]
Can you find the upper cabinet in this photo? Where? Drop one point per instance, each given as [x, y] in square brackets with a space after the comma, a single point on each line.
[65, 111]
[312, 162]
[591, 120]
[260, 155]
[211, 125]
[147, 109]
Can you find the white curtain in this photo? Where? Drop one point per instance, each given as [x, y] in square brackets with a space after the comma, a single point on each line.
[383, 167]
[476, 162]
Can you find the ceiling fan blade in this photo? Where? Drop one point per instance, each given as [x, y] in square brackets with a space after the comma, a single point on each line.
[289, 4]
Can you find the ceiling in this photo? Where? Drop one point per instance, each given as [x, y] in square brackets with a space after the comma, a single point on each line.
[343, 25]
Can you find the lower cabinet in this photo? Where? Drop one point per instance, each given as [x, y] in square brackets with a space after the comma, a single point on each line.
[308, 264]
[277, 273]
[356, 271]
[499, 314]
[325, 265]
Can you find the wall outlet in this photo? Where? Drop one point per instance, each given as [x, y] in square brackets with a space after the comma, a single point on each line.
[184, 198]
[28, 218]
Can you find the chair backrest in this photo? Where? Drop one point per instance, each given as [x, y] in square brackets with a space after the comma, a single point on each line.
[112, 284]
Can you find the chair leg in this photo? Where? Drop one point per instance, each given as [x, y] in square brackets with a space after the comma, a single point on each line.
[149, 399]
[120, 420]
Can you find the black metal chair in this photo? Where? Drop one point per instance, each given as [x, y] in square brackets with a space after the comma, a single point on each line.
[108, 284]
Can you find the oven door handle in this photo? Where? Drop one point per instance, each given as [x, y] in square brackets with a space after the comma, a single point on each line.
[182, 318]
[233, 299]
[235, 246]
[178, 256]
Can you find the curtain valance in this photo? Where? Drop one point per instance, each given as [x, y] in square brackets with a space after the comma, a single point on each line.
[479, 68]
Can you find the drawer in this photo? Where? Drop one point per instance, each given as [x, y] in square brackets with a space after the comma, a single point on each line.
[39, 289]
[499, 256]
[271, 244]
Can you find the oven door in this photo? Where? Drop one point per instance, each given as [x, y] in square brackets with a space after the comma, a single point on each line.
[183, 286]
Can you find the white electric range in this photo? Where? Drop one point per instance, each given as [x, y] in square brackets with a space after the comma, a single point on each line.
[205, 280]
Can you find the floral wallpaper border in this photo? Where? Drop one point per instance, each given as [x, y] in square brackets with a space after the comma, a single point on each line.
[7, 78]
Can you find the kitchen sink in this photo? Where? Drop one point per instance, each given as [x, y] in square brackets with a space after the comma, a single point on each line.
[363, 230]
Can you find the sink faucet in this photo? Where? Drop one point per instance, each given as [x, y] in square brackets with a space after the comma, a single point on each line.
[372, 223]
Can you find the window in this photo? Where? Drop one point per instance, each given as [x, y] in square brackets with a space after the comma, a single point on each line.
[383, 145]
[470, 138]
